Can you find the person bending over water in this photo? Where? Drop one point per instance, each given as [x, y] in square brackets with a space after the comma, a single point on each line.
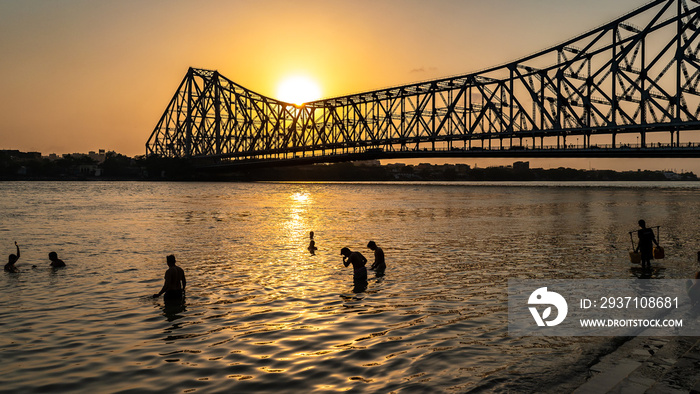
[379, 264]
[174, 286]
[10, 266]
[55, 261]
[358, 262]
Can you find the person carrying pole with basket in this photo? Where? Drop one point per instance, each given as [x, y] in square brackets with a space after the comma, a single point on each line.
[646, 244]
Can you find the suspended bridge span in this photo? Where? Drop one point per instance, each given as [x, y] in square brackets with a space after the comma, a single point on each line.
[629, 88]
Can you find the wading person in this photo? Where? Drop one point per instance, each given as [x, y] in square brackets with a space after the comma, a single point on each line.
[174, 286]
[646, 244]
[312, 244]
[55, 261]
[379, 265]
[12, 259]
[358, 262]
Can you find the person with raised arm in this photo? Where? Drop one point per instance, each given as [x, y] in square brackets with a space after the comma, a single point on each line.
[10, 266]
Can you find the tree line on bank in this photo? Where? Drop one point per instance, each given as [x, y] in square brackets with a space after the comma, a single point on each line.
[15, 165]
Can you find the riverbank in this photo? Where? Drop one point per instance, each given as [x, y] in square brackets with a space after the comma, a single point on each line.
[647, 365]
[108, 166]
[174, 170]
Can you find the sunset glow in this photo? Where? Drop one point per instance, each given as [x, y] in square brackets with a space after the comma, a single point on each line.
[129, 50]
[298, 90]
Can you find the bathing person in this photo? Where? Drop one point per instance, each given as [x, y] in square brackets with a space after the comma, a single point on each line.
[174, 286]
[358, 262]
[10, 266]
[379, 264]
[55, 261]
[646, 244]
[312, 243]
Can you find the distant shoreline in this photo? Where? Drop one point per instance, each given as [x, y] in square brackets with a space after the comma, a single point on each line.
[111, 166]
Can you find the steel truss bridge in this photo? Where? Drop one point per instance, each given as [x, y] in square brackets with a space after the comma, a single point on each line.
[629, 88]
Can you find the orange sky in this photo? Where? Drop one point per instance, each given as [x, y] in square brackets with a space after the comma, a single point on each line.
[80, 75]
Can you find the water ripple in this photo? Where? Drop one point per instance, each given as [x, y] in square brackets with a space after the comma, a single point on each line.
[262, 315]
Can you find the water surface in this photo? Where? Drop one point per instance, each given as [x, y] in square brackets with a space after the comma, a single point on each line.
[262, 314]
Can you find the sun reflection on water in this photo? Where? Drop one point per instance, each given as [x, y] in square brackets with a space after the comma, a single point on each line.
[301, 197]
[264, 315]
[296, 227]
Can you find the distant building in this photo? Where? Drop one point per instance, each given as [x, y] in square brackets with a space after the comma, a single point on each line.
[462, 169]
[670, 175]
[367, 163]
[89, 169]
[521, 165]
[98, 157]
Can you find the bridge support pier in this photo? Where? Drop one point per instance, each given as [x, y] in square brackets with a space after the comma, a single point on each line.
[678, 138]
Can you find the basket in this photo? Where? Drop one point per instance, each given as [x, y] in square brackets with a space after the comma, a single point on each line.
[635, 257]
[658, 252]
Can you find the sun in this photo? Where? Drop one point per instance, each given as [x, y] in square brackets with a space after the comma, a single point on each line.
[298, 90]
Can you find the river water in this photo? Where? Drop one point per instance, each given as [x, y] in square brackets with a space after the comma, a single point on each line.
[262, 314]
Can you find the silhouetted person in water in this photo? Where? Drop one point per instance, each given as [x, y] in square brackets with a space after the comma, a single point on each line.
[358, 262]
[312, 243]
[174, 286]
[646, 244]
[12, 259]
[55, 261]
[379, 264]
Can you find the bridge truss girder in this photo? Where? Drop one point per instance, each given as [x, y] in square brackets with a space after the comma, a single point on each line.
[639, 74]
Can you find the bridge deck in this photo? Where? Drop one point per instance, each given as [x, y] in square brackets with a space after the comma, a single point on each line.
[630, 152]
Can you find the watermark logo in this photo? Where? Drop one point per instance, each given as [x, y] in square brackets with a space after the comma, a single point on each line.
[601, 307]
[543, 297]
